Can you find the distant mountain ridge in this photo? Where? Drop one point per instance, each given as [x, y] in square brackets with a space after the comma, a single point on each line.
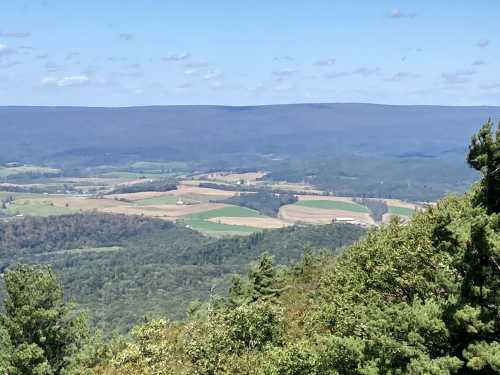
[34, 134]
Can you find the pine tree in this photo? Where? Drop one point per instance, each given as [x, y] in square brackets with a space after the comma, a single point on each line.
[43, 332]
[264, 281]
[484, 156]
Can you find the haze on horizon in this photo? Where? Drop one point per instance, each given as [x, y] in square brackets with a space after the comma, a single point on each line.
[124, 53]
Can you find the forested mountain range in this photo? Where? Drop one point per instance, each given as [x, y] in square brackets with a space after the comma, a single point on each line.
[408, 298]
[34, 134]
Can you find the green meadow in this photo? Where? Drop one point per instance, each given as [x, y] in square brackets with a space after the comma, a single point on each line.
[401, 211]
[333, 205]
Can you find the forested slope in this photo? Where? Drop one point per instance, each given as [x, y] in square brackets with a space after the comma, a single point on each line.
[417, 298]
[123, 268]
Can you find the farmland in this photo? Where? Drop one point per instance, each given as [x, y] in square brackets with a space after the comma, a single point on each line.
[213, 210]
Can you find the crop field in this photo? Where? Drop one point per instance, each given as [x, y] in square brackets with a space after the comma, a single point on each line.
[162, 199]
[37, 208]
[401, 211]
[211, 227]
[254, 222]
[228, 211]
[10, 171]
[312, 215]
[333, 205]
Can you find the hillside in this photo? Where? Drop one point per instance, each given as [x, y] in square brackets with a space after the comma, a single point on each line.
[408, 298]
[33, 134]
[122, 268]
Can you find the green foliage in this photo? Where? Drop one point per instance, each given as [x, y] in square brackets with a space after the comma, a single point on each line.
[121, 268]
[154, 185]
[267, 203]
[484, 156]
[39, 330]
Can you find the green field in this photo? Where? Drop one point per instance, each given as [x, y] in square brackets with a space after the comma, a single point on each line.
[401, 211]
[333, 205]
[209, 226]
[6, 172]
[27, 208]
[230, 211]
[166, 199]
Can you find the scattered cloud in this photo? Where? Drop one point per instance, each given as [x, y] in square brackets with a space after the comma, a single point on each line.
[482, 43]
[458, 77]
[398, 14]
[478, 62]
[325, 62]
[400, 76]
[5, 50]
[68, 81]
[191, 72]
[212, 75]
[42, 57]
[177, 56]
[15, 34]
[126, 36]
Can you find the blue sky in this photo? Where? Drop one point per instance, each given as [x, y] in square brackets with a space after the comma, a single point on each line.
[124, 52]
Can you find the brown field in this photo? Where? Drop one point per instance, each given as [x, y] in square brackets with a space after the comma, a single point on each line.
[400, 203]
[232, 178]
[324, 198]
[167, 211]
[294, 213]
[301, 188]
[78, 203]
[188, 189]
[255, 222]
[138, 196]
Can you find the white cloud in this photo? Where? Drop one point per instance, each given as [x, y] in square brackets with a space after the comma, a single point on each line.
[177, 56]
[211, 75]
[68, 81]
[397, 14]
[4, 50]
[483, 43]
[325, 62]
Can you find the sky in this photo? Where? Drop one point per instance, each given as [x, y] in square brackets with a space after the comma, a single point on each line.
[226, 52]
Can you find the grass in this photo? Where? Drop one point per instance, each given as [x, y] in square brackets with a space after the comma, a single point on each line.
[333, 205]
[5, 172]
[230, 211]
[166, 199]
[401, 211]
[209, 226]
[44, 208]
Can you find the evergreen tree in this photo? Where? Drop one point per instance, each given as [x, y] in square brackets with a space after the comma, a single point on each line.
[40, 328]
[264, 281]
[484, 156]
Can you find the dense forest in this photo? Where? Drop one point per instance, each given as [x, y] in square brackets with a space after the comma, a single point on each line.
[148, 185]
[122, 268]
[266, 202]
[416, 298]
